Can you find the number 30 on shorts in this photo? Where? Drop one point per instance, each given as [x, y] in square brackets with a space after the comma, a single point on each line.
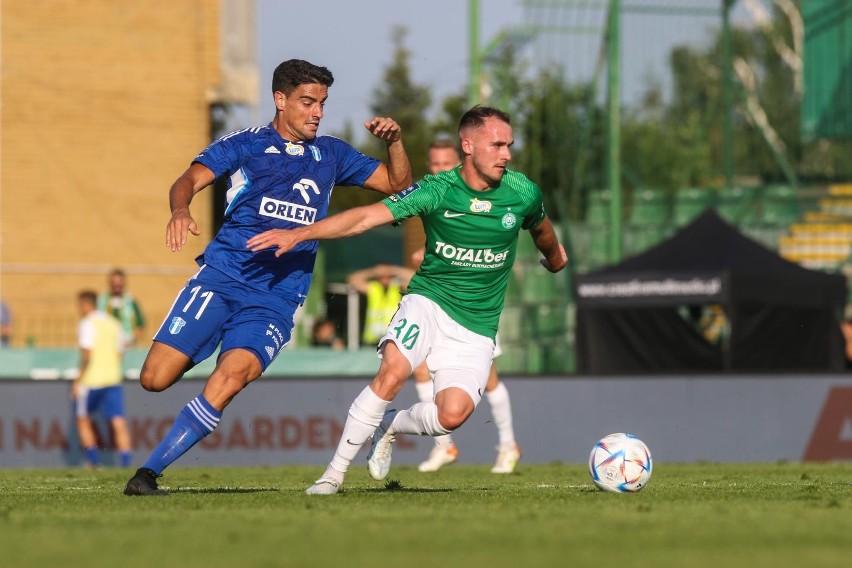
[406, 334]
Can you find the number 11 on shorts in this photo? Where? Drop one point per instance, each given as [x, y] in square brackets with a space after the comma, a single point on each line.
[206, 297]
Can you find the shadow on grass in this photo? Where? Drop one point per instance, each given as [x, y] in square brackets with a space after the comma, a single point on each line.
[402, 490]
[220, 490]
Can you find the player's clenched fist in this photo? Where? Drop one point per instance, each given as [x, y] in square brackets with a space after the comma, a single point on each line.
[384, 129]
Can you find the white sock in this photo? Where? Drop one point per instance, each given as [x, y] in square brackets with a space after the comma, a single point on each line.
[365, 414]
[425, 391]
[421, 419]
[446, 440]
[501, 409]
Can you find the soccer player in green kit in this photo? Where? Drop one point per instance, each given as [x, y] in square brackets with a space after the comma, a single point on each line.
[472, 216]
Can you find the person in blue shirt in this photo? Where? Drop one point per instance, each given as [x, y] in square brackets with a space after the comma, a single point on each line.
[280, 176]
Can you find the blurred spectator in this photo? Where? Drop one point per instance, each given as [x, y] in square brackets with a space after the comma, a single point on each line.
[713, 324]
[383, 284]
[5, 325]
[122, 306]
[846, 328]
[443, 155]
[325, 335]
[98, 386]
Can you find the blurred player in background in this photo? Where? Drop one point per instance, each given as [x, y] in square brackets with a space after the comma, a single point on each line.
[443, 155]
[5, 324]
[279, 176]
[472, 216]
[118, 302]
[97, 387]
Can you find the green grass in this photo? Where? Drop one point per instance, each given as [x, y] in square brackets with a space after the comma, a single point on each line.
[548, 515]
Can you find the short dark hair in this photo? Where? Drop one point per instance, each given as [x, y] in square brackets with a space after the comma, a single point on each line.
[294, 72]
[117, 272]
[444, 144]
[476, 116]
[88, 296]
[322, 322]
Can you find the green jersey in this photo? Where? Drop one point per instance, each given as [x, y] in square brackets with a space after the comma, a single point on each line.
[471, 237]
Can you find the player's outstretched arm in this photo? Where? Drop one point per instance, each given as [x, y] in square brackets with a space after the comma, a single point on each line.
[351, 222]
[546, 241]
[193, 180]
[394, 176]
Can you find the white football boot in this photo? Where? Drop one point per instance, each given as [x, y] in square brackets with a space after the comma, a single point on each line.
[323, 486]
[381, 452]
[507, 459]
[441, 455]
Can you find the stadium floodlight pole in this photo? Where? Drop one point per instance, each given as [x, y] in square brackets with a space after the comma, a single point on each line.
[613, 131]
[727, 97]
[474, 93]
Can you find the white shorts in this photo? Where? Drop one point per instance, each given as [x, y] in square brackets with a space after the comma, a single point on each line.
[455, 356]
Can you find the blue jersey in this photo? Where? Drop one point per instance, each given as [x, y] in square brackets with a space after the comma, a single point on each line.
[276, 184]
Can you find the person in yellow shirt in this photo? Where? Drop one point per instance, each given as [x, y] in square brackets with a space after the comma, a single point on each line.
[98, 385]
[383, 285]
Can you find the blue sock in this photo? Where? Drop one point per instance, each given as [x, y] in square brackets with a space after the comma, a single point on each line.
[124, 458]
[193, 423]
[92, 455]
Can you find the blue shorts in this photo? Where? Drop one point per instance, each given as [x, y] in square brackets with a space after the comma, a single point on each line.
[107, 400]
[214, 308]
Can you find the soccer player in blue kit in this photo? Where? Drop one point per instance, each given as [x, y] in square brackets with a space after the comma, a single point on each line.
[280, 176]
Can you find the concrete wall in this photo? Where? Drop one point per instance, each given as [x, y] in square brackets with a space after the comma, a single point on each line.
[104, 104]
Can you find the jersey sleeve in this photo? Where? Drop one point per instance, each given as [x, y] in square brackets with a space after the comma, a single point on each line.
[86, 334]
[419, 199]
[535, 212]
[354, 168]
[137, 312]
[222, 155]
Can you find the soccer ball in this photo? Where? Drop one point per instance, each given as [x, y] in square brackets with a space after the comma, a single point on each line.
[620, 463]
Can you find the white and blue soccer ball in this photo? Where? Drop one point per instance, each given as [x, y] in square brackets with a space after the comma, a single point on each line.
[620, 463]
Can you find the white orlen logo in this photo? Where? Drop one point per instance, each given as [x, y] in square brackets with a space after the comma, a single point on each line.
[303, 185]
[272, 150]
[287, 211]
[478, 206]
[449, 215]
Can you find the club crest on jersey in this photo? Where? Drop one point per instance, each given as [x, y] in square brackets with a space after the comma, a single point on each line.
[176, 325]
[294, 149]
[478, 206]
[405, 192]
[508, 221]
[316, 153]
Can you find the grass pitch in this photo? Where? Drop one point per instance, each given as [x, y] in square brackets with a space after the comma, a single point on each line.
[545, 515]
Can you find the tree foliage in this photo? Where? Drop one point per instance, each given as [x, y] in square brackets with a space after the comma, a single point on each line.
[398, 97]
[669, 140]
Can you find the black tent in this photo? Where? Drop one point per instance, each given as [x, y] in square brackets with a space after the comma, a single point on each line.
[781, 317]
